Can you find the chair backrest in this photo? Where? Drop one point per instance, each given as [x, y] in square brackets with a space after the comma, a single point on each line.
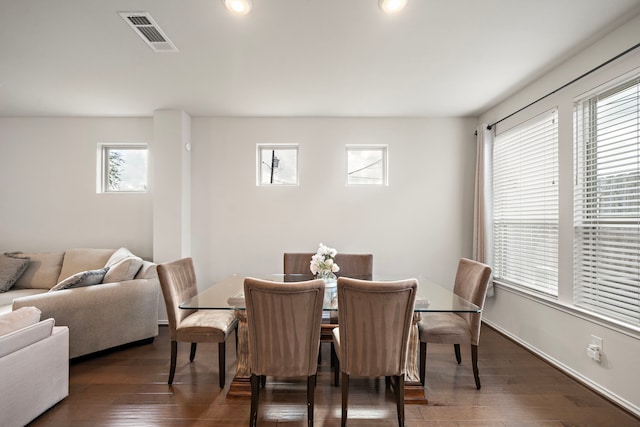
[375, 321]
[283, 320]
[472, 281]
[297, 263]
[178, 283]
[359, 266]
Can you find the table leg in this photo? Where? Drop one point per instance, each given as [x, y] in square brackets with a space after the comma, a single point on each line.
[241, 384]
[413, 389]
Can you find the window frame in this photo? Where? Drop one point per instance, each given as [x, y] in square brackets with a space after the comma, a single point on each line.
[384, 149]
[274, 147]
[515, 238]
[103, 168]
[603, 251]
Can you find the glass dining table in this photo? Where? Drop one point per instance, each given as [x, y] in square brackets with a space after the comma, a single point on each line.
[228, 294]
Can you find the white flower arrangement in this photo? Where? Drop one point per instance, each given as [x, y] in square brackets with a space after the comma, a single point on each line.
[323, 262]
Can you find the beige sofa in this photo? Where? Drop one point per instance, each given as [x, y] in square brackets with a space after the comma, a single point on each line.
[34, 361]
[99, 316]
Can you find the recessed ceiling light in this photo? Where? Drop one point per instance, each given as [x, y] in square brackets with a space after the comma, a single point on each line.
[392, 6]
[238, 7]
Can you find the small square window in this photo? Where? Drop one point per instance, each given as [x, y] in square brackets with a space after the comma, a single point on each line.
[277, 165]
[367, 165]
[123, 168]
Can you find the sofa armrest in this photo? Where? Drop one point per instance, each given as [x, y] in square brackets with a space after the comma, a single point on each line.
[147, 271]
[26, 336]
[34, 378]
[101, 316]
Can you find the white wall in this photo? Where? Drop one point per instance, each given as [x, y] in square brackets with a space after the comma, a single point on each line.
[171, 189]
[420, 224]
[48, 197]
[554, 329]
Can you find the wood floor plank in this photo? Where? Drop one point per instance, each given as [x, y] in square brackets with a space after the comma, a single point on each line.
[128, 387]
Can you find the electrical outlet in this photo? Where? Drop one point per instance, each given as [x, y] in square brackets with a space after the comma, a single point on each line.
[594, 350]
[596, 341]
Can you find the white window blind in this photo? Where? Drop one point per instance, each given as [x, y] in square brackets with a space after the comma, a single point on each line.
[607, 203]
[525, 204]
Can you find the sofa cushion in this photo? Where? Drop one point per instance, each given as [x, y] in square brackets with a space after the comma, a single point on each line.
[83, 259]
[11, 268]
[123, 265]
[43, 270]
[23, 337]
[83, 278]
[7, 298]
[19, 319]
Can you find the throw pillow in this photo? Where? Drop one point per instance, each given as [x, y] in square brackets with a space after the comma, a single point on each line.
[83, 278]
[123, 265]
[10, 270]
[18, 319]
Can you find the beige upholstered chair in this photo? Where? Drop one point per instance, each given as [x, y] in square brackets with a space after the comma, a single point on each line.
[178, 283]
[283, 321]
[373, 336]
[472, 279]
[356, 266]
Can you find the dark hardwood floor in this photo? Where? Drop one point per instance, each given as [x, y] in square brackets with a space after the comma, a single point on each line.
[128, 388]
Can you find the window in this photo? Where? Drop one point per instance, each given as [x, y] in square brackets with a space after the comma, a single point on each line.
[366, 165]
[525, 204]
[123, 168]
[277, 164]
[607, 203]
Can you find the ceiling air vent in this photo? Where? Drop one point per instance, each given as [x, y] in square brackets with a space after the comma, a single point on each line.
[149, 31]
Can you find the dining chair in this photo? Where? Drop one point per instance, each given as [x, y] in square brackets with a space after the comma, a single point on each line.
[178, 283]
[283, 321]
[471, 282]
[356, 266]
[373, 334]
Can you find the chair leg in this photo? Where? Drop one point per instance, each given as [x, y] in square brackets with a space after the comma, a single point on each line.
[423, 362]
[174, 354]
[263, 381]
[333, 352]
[399, 386]
[474, 362]
[255, 395]
[221, 362]
[311, 388]
[336, 369]
[456, 348]
[192, 354]
[345, 399]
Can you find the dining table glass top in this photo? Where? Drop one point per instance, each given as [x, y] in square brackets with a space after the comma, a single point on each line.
[228, 294]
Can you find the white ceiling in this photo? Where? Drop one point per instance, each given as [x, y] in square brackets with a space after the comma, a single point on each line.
[288, 57]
